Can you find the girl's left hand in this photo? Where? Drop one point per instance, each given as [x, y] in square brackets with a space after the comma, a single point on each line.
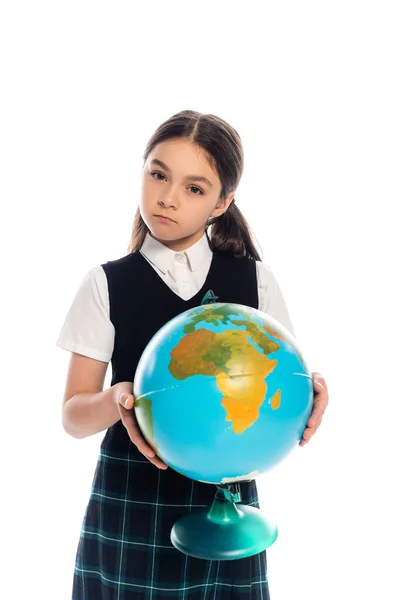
[320, 403]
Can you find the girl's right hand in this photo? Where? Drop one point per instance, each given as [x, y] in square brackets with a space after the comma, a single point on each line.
[124, 399]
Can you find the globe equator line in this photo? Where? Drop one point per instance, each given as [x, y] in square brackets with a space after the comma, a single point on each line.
[172, 387]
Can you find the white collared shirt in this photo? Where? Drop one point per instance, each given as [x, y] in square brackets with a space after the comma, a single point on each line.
[88, 329]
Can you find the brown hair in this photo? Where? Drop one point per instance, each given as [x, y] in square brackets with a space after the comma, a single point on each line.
[230, 232]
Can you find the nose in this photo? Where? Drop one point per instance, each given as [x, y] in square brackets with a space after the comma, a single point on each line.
[168, 200]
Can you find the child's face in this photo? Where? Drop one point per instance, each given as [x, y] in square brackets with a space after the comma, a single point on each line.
[180, 194]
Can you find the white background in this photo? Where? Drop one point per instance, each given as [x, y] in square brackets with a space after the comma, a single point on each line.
[313, 89]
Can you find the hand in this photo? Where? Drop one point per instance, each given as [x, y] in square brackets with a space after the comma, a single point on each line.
[320, 403]
[124, 398]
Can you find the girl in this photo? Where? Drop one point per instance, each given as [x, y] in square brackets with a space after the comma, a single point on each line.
[192, 167]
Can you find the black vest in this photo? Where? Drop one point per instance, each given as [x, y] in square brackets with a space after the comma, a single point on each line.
[141, 303]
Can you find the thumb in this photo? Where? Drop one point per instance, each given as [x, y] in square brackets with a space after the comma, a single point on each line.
[126, 400]
[319, 381]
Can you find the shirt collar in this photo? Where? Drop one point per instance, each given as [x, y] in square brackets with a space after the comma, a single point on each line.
[162, 257]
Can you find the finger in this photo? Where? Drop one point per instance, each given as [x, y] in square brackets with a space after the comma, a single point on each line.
[157, 462]
[305, 439]
[315, 419]
[320, 389]
[308, 434]
[129, 421]
[319, 407]
[318, 411]
[304, 442]
[318, 385]
[315, 426]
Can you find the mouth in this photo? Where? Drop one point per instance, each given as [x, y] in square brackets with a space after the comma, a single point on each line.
[164, 219]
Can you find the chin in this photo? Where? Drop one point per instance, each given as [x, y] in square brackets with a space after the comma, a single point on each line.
[160, 233]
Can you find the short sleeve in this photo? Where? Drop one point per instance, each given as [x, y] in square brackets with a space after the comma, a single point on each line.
[270, 296]
[88, 329]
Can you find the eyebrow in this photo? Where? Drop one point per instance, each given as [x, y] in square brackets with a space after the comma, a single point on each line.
[197, 178]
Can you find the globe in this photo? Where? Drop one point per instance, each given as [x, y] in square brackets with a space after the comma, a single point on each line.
[222, 393]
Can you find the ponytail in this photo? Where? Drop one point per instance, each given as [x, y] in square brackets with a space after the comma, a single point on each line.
[139, 232]
[231, 233]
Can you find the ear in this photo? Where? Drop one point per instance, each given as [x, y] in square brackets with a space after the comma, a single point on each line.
[223, 205]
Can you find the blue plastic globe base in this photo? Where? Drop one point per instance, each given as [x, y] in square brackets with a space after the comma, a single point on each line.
[226, 531]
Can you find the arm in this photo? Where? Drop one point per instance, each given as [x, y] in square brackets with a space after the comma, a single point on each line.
[88, 334]
[87, 408]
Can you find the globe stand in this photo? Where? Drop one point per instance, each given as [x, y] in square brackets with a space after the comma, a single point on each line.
[226, 531]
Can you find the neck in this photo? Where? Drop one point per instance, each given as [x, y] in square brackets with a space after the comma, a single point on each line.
[181, 244]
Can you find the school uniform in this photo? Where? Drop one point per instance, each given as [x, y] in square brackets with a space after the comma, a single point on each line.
[125, 551]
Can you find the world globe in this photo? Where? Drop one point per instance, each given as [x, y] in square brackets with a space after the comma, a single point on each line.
[222, 393]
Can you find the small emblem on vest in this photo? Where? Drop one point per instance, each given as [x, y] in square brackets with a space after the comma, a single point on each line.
[209, 298]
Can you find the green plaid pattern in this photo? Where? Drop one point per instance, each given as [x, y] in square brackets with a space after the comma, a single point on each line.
[125, 552]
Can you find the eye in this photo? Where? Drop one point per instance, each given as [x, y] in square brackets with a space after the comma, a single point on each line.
[154, 175]
[198, 191]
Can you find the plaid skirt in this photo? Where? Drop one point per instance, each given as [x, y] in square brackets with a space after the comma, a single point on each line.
[125, 552]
